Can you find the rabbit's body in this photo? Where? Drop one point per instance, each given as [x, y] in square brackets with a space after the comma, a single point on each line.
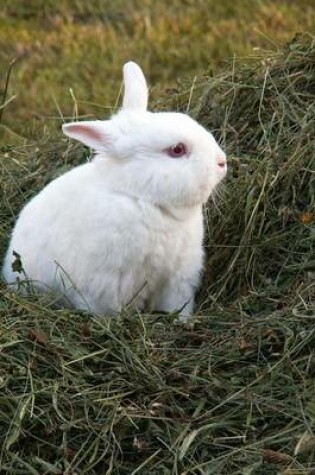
[125, 228]
[126, 254]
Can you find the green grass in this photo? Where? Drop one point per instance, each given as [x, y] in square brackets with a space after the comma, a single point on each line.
[82, 45]
[233, 391]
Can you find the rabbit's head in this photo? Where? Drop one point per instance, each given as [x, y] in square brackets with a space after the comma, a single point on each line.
[163, 157]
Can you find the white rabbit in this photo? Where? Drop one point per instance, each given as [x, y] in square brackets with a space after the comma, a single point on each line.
[127, 227]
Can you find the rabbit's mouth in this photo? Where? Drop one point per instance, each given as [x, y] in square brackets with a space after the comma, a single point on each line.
[222, 169]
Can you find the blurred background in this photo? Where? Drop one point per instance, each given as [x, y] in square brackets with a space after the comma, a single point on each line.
[60, 59]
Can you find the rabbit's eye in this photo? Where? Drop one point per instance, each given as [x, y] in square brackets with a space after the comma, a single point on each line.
[177, 151]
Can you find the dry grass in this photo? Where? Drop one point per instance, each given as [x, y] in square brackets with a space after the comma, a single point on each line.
[233, 393]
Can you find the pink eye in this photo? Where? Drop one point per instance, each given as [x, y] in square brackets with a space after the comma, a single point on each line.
[177, 151]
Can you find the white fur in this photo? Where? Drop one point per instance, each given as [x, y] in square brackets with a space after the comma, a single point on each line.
[127, 227]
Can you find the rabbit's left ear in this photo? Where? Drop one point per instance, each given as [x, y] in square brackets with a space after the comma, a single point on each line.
[136, 90]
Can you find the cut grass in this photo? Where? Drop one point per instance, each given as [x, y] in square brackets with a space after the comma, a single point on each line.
[140, 395]
[231, 393]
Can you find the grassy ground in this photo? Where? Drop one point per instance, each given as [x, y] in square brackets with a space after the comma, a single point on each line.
[69, 53]
[233, 392]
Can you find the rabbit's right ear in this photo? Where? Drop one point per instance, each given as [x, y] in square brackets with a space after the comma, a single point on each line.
[136, 90]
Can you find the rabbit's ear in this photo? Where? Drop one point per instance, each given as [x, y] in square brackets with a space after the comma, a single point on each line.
[136, 90]
[96, 134]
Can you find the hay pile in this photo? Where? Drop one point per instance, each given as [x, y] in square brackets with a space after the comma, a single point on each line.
[233, 393]
[264, 237]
